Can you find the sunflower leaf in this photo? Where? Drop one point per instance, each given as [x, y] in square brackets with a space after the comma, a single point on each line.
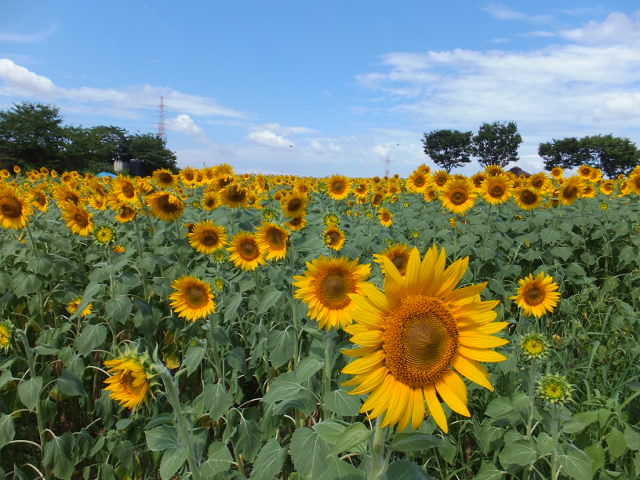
[269, 461]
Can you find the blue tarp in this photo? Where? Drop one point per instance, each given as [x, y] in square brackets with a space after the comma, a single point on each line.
[105, 174]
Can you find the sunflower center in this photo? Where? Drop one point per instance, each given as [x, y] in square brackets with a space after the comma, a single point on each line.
[80, 219]
[334, 289]
[385, 216]
[496, 191]
[458, 197]
[166, 178]
[210, 238]
[400, 261]
[196, 296]
[248, 250]
[333, 237]
[276, 238]
[528, 197]
[237, 194]
[420, 341]
[128, 191]
[534, 295]
[338, 187]
[419, 181]
[11, 207]
[294, 204]
[166, 204]
[570, 192]
[128, 382]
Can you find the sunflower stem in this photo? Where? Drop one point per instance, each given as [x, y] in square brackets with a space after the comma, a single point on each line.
[329, 354]
[183, 427]
[377, 464]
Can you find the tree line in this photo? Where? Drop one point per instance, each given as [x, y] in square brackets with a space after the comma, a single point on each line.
[33, 135]
[497, 144]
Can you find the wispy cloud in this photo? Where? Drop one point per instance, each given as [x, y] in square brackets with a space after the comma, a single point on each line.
[27, 37]
[502, 12]
[269, 139]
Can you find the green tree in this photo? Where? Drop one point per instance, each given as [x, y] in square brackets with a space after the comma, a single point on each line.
[31, 135]
[612, 155]
[152, 150]
[448, 148]
[94, 149]
[497, 143]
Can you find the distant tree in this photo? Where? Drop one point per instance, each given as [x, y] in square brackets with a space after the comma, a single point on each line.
[448, 148]
[31, 135]
[93, 149]
[153, 152]
[497, 143]
[612, 155]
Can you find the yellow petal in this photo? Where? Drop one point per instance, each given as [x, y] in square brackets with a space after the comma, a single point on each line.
[478, 340]
[435, 408]
[473, 371]
[451, 399]
[481, 354]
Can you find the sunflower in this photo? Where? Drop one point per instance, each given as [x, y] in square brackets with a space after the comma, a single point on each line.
[125, 213]
[537, 296]
[206, 237]
[496, 189]
[6, 334]
[72, 307]
[124, 190]
[557, 172]
[78, 219]
[245, 252]
[163, 177]
[571, 190]
[188, 177]
[131, 380]
[234, 195]
[417, 181]
[105, 234]
[166, 206]
[326, 287]
[334, 238]
[14, 210]
[492, 170]
[608, 186]
[535, 346]
[39, 198]
[539, 181]
[527, 198]
[297, 223]
[398, 254]
[585, 171]
[555, 389]
[338, 187]
[417, 337]
[458, 195]
[210, 200]
[294, 205]
[272, 240]
[192, 299]
[385, 217]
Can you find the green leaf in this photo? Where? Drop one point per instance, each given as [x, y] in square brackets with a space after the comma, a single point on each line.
[118, 308]
[340, 470]
[309, 452]
[57, 453]
[231, 306]
[269, 461]
[7, 431]
[29, 392]
[597, 455]
[580, 421]
[70, 385]
[171, 462]
[414, 441]
[193, 358]
[218, 460]
[282, 389]
[353, 436]
[342, 403]
[545, 444]
[406, 470]
[576, 464]
[281, 346]
[218, 400]
[488, 471]
[268, 299]
[632, 438]
[162, 438]
[522, 452]
[330, 430]
[307, 368]
[563, 252]
[616, 443]
[92, 337]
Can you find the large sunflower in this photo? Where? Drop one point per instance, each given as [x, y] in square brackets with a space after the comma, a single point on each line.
[326, 287]
[417, 337]
[272, 240]
[245, 252]
[14, 210]
[207, 237]
[527, 198]
[164, 178]
[131, 379]
[571, 190]
[537, 296]
[234, 195]
[496, 189]
[78, 219]
[294, 205]
[458, 195]
[166, 206]
[124, 190]
[338, 187]
[192, 299]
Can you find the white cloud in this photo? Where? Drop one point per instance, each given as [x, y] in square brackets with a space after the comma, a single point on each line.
[26, 37]
[269, 139]
[277, 128]
[322, 146]
[617, 29]
[501, 12]
[185, 124]
[19, 81]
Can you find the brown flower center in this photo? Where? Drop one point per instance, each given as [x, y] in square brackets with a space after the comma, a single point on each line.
[11, 207]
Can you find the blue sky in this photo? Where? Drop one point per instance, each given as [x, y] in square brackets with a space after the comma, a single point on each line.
[323, 87]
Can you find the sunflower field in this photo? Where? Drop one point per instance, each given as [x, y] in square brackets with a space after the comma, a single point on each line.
[214, 325]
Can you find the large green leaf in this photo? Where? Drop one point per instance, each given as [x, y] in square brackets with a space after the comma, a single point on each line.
[218, 460]
[7, 431]
[576, 464]
[269, 461]
[310, 454]
[90, 338]
[29, 392]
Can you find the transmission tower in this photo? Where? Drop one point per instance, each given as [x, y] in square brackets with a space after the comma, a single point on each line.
[161, 121]
[387, 162]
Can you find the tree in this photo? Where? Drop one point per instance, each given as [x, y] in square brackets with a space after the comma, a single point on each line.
[152, 151]
[94, 149]
[497, 143]
[448, 148]
[612, 155]
[31, 135]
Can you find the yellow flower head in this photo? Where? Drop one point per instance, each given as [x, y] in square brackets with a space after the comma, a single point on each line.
[458, 195]
[192, 298]
[79, 220]
[105, 234]
[14, 210]
[72, 307]
[535, 346]
[385, 217]
[398, 254]
[207, 237]
[246, 252]
[272, 240]
[131, 382]
[418, 337]
[334, 238]
[537, 296]
[165, 205]
[338, 187]
[6, 334]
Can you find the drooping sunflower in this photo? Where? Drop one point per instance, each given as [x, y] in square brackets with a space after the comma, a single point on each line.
[78, 219]
[338, 187]
[272, 240]
[326, 287]
[132, 381]
[245, 252]
[571, 190]
[334, 238]
[165, 205]
[496, 189]
[14, 210]
[398, 254]
[385, 217]
[72, 307]
[124, 213]
[418, 337]
[234, 195]
[458, 195]
[537, 295]
[527, 198]
[192, 299]
[206, 237]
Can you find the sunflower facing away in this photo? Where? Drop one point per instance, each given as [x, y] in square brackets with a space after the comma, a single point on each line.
[326, 287]
[192, 299]
[207, 237]
[537, 296]
[272, 240]
[14, 210]
[132, 380]
[245, 252]
[418, 337]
